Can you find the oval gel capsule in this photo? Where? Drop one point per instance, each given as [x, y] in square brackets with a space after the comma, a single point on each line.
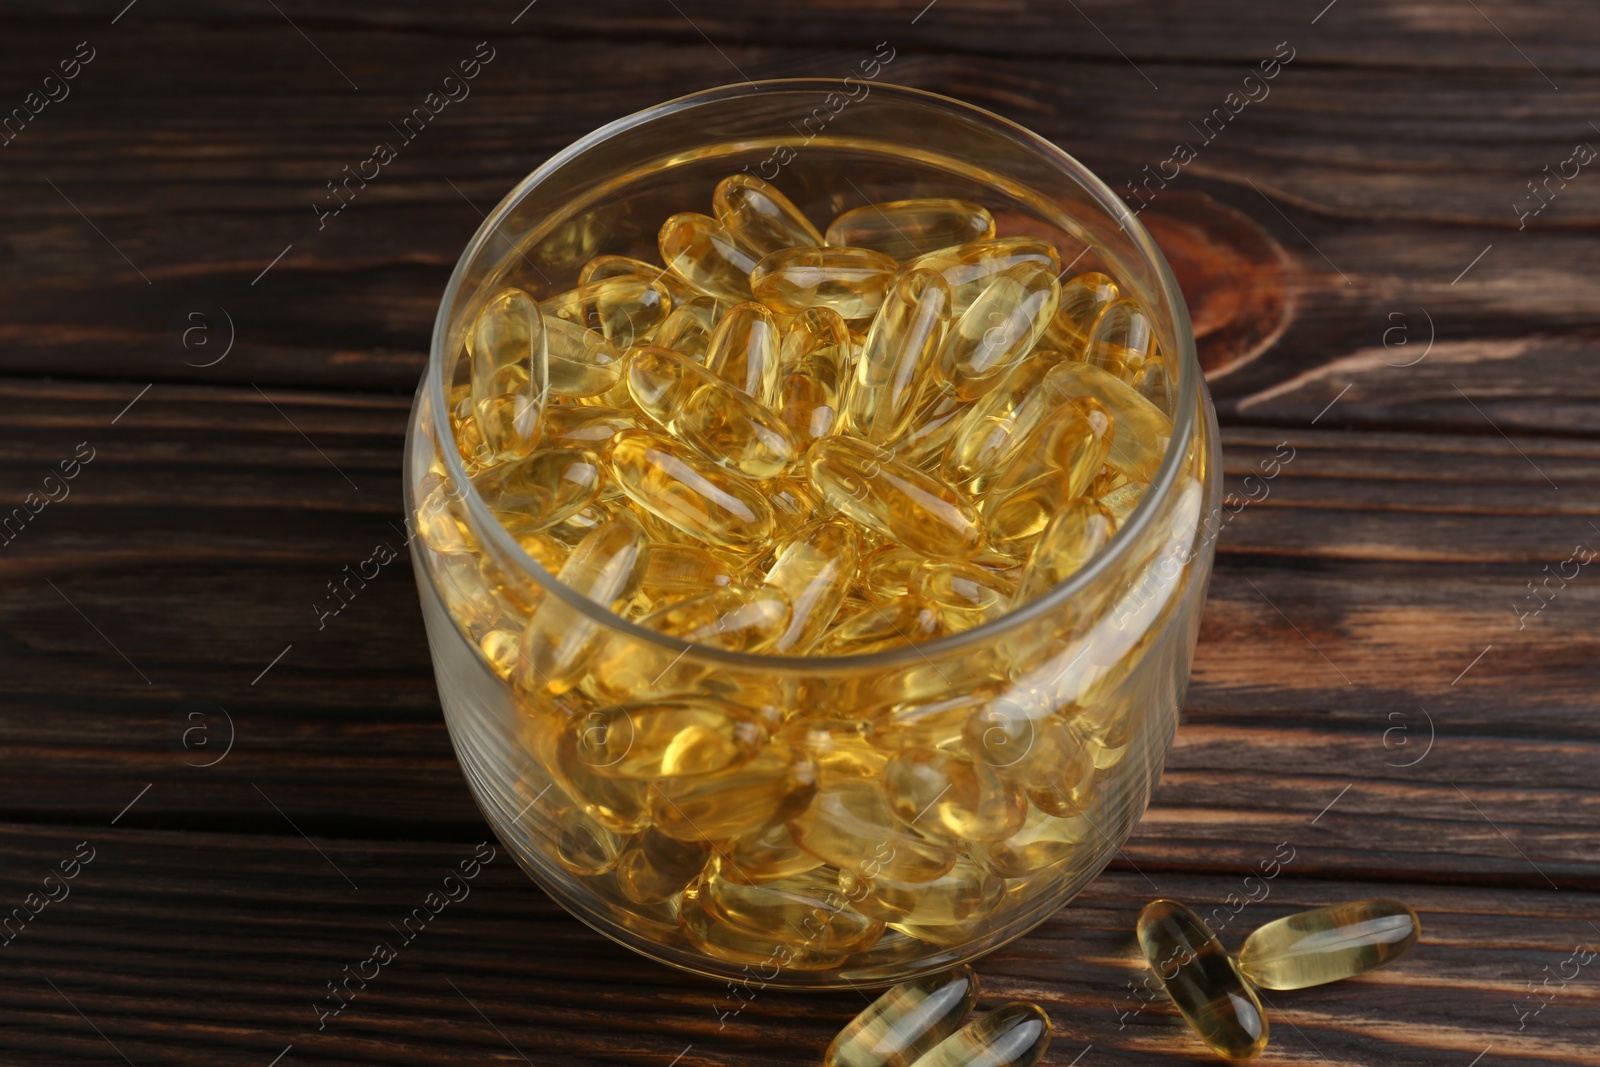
[1202, 981]
[1328, 944]
[906, 1021]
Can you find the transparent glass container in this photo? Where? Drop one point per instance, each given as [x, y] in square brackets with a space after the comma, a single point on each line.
[1105, 654]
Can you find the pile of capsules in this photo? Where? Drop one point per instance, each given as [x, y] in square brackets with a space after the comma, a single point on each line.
[1217, 995]
[802, 444]
[919, 1024]
[799, 443]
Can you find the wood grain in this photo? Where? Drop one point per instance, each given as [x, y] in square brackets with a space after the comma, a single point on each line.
[1373, 687]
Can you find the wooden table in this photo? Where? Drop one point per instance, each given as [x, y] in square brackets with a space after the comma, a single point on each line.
[1377, 688]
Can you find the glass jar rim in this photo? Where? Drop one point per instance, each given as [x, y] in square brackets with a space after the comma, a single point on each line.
[1129, 534]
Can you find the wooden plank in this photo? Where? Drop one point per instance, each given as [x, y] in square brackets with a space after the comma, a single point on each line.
[212, 947]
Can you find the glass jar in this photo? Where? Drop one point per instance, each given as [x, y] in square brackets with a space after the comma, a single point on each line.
[1071, 699]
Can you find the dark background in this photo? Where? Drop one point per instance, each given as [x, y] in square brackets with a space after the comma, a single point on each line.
[1365, 693]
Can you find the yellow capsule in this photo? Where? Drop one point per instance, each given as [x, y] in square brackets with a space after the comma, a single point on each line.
[966, 595]
[1082, 300]
[772, 786]
[814, 567]
[626, 308]
[656, 867]
[701, 251]
[1202, 981]
[906, 620]
[690, 494]
[1015, 521]
[784, 950]
[906, 1021]
[794, 503]
[725, 424]
[601, 268]
[950, 795]
[1013, 1035]
[582, 362]
[936, 416]
[898, 356]
[543, 488]
[1063, 787]
[999, 329]
[616, 803]
[677, 572]
[670, 738]
[1140, 430]
[438, 525]
[759, 216]
[885, 573]
[585, 846]
[902, 229]
[806, 908]
[848, 281]
[1121, 501]
[1121, 339]
[510, 367]
[1153, 381]
[990, 432]
[1044, 841]
[814, 360]
[571, 530]
[500, 650]
[916, 725]
[744, 350]
[966, 893]
[736, 619]
[850, 825]
[687, 331]
[471, 602]
[1079, 530]
[901, 503]
[836, 747]
[559, 640]
[765, 856]
[591, 427]
[970, 267]
[1328, 944]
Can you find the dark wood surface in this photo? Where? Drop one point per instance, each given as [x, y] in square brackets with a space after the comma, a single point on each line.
[1364, 690]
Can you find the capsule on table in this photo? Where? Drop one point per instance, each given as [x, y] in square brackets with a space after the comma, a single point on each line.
[1013, 1035]
[559, 640]
[907, 1021]
[950, 795]
[970, 267]
[814, 368]
[701, 251]
[885, 572]
[656, 867]
[727, 425]
[851, 282]
[1076, 532]
[1140, 430]
[759, 216]
[765, 855]
[894, 500]
[1328, 944]
[1202, 981]
[898, 356]
[543, 488]
[805, 907]
[967, 892]
[1082, 300]
[582, 362]
[671, 738]
[903, 229]
[687, 331]
[510, 368]
[774, 785]
[744, 351]
[965, 594]
[1000, 328]
[688, 493]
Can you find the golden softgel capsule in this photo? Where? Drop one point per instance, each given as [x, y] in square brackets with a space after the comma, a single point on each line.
[1013, 1035]
[510, 369]
[1328, 944]
[898, 356]
[890, 498]
[906, 1022]
[903, 229]
[849, 281]
[1202, 981]
[689, 493]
